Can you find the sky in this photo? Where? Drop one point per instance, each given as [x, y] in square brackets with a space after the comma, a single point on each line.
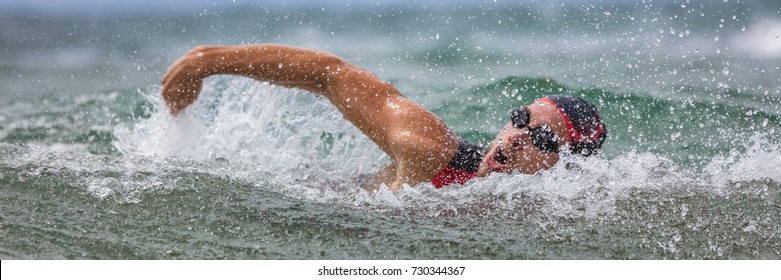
[53, 5]
[172, 7]
[165, 6]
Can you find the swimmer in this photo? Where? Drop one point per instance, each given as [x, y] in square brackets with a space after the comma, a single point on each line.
[421, 147]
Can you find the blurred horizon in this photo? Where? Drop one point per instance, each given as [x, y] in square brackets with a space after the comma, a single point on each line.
[117, 7]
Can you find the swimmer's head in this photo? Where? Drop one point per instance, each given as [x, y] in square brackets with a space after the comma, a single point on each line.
[536, 133]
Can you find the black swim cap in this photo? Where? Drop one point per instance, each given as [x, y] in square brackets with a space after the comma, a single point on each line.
[586, 130]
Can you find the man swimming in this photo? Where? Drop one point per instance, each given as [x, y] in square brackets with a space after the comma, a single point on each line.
[422, 148]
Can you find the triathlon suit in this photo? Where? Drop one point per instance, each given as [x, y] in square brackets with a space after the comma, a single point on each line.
[462, 167]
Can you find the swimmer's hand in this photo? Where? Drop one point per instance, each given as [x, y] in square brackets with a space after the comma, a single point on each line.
[183, 81]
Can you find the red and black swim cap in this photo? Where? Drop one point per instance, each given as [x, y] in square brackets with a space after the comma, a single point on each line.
[586, 130]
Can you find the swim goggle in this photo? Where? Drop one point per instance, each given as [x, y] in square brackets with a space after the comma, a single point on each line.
[542, 137]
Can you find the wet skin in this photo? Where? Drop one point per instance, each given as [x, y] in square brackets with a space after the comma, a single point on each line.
[512, 150]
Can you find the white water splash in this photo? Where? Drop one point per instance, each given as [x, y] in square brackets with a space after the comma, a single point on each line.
[590, 188]
[760, 161]
[240, 120]
[261, 130]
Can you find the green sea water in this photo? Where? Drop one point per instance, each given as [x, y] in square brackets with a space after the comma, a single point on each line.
[92, 167]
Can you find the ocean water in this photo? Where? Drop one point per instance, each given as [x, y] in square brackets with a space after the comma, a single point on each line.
[93, 167]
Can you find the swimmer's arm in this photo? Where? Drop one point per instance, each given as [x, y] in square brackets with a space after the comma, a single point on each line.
[417, 141]
[287, 66]
[376, 107]
[364, 99]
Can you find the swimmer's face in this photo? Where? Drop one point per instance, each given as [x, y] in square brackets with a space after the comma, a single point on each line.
[513, 150]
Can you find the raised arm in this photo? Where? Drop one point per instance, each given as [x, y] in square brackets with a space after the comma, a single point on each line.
[417, 141]
[281, 65]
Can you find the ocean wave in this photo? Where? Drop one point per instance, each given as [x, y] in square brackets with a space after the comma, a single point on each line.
[591, 188]
[576, 188]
